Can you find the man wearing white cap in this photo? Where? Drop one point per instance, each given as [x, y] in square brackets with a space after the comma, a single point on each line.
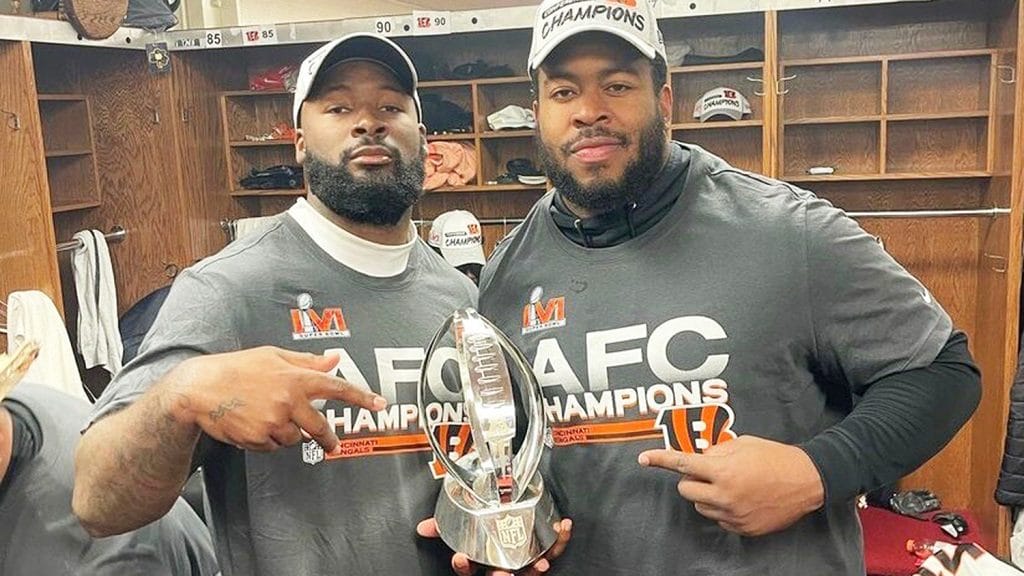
[287, 364]
[458, 238]
[736, 331]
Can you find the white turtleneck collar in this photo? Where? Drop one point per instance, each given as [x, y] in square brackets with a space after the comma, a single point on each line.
[363, 256]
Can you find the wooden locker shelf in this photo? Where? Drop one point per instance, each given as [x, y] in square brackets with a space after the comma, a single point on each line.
[740, 145]
[243, 193]
[723, 125]
[61, 153]
[501, 80]
[490, 188]
[252, 143]
[728, 66]
[928, 85]
[936, 116]
[689, 87]
[831, 90]
[884, 177]
[493, 94]
[458, 93]
[834, 120]
[73, 207]
[255, 93]
[453, 136]
[929, 112]
[254, 113]
[477, 81]
[948, 145]
[507, 134]
[884, 57]
[494, 154]
[850, 148]
[70, 151]
[61, 97]
[429, 84]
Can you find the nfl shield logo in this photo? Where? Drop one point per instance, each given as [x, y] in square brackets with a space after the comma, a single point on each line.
[511, 531]
[312, 453]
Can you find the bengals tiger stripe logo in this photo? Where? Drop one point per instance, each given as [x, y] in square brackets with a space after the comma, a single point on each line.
[694, 429]
[454, 437]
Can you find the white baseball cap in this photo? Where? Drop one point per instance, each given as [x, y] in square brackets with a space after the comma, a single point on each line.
[558, 20]
[721, 101]
[360, 46]
[436, 225]
[457, 233]
[512, 116]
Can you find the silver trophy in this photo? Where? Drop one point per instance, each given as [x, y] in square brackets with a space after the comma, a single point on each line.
[493, 506]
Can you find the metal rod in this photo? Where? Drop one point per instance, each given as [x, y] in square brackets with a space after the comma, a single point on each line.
[116, 234]
[993, 212]
[485, 221]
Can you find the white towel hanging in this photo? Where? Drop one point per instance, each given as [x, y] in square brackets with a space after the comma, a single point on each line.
[99, 336]
[31, 315]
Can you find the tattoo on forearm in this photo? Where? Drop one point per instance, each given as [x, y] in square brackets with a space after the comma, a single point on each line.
[226, 407]
[146, 468]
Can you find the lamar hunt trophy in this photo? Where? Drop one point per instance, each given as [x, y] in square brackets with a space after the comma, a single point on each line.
[493, 506]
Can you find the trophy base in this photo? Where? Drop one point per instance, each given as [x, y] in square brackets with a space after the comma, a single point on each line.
[506, 536]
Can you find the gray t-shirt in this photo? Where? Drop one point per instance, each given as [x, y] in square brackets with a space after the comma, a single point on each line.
[297, 510]
[40, 535]
[751, 308]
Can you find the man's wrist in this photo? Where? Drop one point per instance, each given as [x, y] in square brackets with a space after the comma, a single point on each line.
[814, 482]
[174, 393]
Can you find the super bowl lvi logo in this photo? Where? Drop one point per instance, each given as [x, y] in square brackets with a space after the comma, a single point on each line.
[540, 314]
[694, 429]
[308, 323]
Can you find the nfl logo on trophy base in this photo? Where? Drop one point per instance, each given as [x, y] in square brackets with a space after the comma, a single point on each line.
[511, 531]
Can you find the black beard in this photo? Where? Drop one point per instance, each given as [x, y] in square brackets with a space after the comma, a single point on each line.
[381, 198]
[606, 195]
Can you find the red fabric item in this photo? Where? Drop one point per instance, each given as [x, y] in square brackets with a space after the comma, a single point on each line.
[886, 534]
[278, 78]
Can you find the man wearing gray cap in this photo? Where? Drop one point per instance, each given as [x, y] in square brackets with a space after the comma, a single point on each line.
[736, 331]
[286, 365]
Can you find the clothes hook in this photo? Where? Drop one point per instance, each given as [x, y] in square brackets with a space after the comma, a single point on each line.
[13, 120]
[998, 269]
[170, 269]
[780, 88]
[756, 81]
